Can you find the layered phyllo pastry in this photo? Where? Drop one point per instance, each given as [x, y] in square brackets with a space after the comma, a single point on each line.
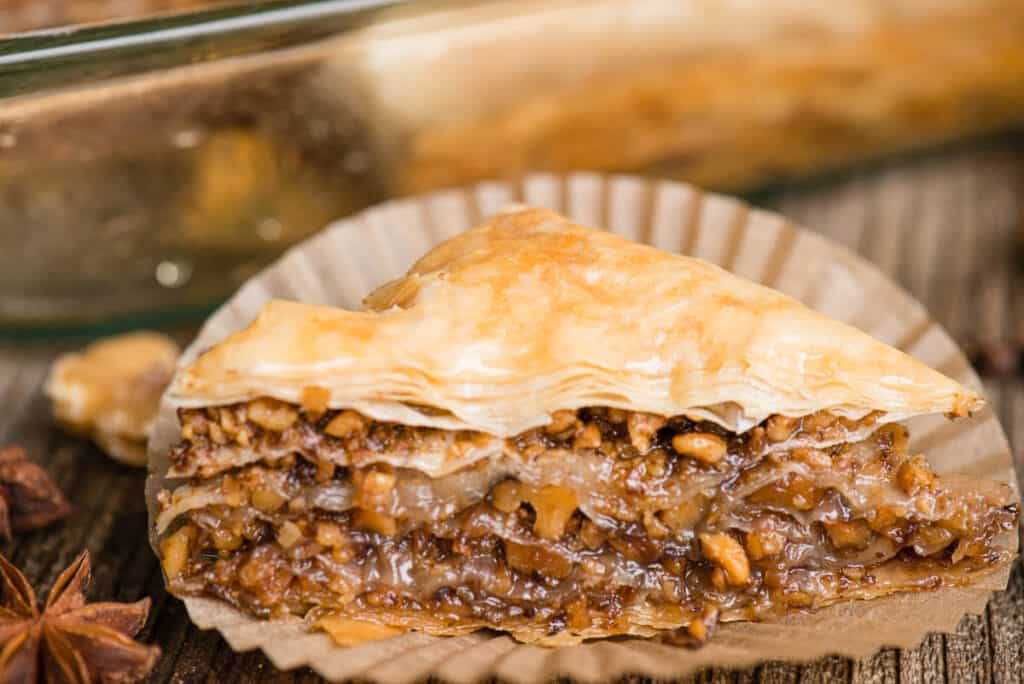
[549, 430]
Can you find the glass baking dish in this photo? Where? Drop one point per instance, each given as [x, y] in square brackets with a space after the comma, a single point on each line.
[19, 16]
[148, 167]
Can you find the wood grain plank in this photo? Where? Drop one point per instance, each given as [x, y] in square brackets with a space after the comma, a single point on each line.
[925, 664]
[967, 651]
[892, 222]
[778, 673]
[1005, 617]
[827, 671]
[1005, 613]
[881, 668]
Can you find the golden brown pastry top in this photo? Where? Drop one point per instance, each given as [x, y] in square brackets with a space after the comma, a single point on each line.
[529, 313]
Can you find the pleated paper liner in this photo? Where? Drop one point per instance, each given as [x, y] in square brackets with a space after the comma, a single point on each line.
[340, 265]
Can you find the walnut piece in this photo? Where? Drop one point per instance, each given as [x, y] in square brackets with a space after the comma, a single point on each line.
[702, 446]
[373, 488]
[854, 534]
[554, 505]
[506, 496]
[174, 551]
[642, 427]
[778, 428]
[267, 500]
[725, 552]
[589, 437]
[289, 534]
[110, 391]
[344, 424]
[560, 422]
[372, 521]
[765, 540]
[272, 415]
[915, 476]
[530, 559]
[330, 534]
[346, 631]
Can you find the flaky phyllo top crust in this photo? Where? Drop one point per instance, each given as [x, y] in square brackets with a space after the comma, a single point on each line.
[530, 313]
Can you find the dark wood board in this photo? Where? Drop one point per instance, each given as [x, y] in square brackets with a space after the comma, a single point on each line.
[947, 225]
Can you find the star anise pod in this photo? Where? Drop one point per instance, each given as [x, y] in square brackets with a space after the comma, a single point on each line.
[69, 641]
[28, 497]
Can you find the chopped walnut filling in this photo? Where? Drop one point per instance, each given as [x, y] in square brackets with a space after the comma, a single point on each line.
[595, 523]
[219, 438]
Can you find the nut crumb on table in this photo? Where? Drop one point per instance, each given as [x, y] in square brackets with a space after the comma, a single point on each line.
[110, 391]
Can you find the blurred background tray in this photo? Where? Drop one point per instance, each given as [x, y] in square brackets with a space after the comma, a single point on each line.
[148, 166]
[17, 16]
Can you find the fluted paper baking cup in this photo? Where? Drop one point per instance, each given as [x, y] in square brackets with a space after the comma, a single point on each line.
[340, 265]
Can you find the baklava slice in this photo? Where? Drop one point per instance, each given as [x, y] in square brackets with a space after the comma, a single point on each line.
[551, 431]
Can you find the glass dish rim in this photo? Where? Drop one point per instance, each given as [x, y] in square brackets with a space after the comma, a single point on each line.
[41, 61]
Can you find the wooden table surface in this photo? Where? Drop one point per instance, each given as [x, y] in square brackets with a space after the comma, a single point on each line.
[948, 225]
